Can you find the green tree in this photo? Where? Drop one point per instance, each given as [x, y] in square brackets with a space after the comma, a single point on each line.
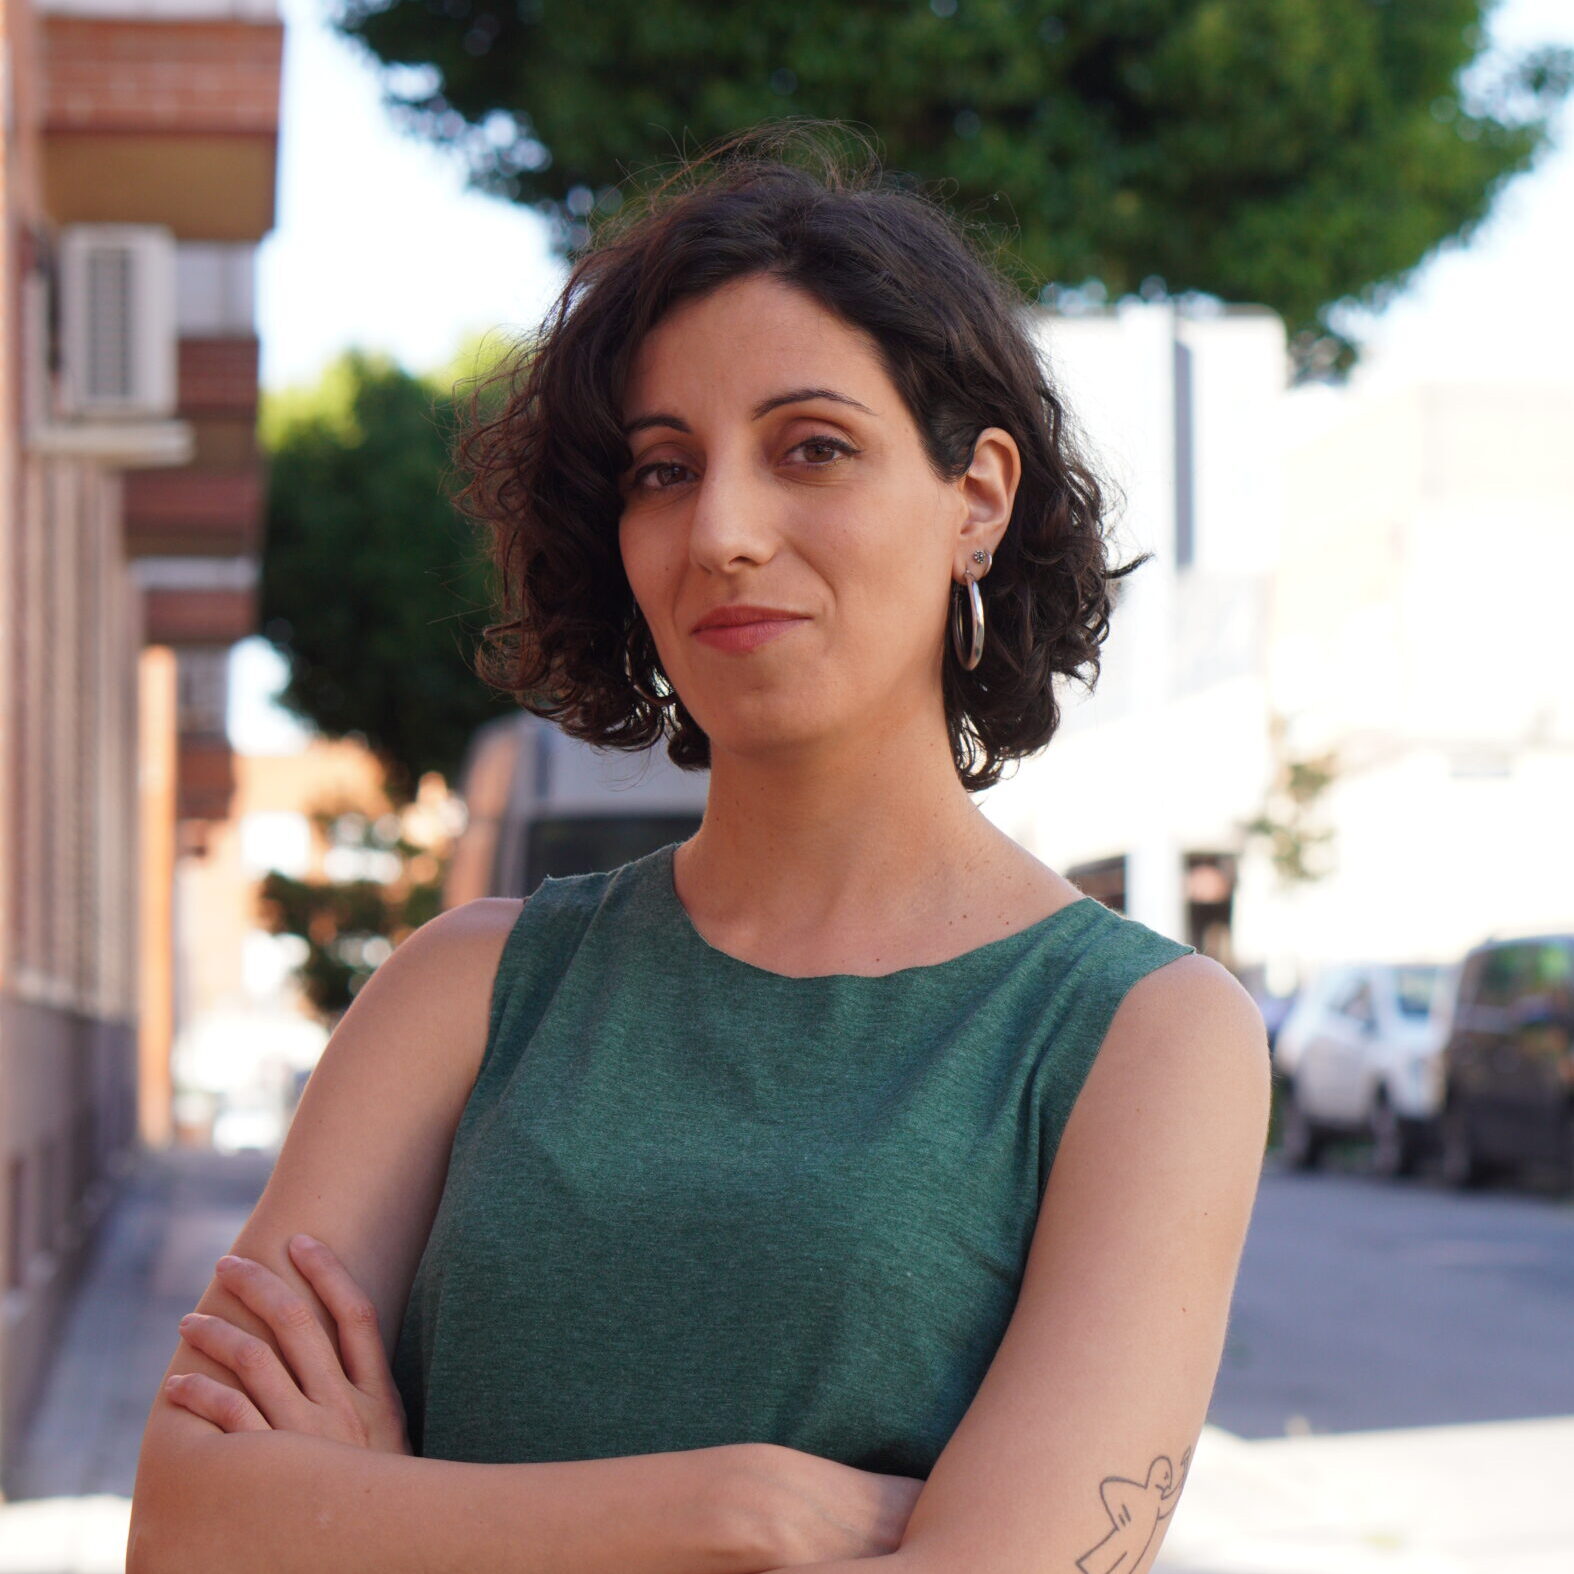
[373, 586]
[1294, 154]
[349, 927]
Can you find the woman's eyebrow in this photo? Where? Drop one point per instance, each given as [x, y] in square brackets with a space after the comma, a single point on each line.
[764, 407]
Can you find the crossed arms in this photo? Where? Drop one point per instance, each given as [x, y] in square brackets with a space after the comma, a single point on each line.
[1070, 1458]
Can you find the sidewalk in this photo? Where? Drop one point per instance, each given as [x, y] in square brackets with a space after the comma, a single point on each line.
[179, 1212]
[1482, 1499]
[1429, 1500]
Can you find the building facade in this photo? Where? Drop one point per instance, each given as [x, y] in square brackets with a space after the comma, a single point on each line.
[138, 143]
[1140, 796]
[1335, 721]
[1421, 636]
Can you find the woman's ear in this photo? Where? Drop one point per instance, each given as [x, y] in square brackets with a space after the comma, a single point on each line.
[988, 488]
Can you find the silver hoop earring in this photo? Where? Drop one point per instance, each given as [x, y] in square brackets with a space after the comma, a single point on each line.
[970, 657]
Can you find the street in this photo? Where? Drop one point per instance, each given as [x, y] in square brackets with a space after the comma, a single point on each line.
[1366, 1303]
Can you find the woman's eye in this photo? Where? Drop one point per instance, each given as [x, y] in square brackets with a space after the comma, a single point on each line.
[833, 446]
[638, 478]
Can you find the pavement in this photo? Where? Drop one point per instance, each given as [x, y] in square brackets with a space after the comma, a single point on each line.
[179, 1210]
[1489, 1498]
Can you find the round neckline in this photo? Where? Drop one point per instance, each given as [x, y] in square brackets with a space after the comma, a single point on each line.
[663, 868]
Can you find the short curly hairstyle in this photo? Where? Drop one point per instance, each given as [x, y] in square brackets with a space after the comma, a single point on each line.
[543, 460]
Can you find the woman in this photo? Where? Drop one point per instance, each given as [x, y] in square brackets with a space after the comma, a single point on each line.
[840, 1183]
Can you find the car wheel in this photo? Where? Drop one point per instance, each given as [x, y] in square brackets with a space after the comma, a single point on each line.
[1300, 1142]
[1393, 1140]
[1460, 1160]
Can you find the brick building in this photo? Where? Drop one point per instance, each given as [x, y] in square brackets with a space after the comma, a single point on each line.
[138, 143]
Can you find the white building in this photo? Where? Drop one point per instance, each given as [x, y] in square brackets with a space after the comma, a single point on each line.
[1378, 577]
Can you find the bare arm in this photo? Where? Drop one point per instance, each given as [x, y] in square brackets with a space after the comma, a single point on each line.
[275, 1502]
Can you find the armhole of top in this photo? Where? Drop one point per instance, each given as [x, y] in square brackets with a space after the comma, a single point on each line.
[509, 961]
[535, 954]
[513, 964]
[1153, 951]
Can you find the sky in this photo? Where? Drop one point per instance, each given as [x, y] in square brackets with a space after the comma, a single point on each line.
[377, 244]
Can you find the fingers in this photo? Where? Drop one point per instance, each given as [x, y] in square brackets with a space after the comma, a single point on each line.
[302, 1338]
[214, 1401]
[271, 1389]
[360, 1340]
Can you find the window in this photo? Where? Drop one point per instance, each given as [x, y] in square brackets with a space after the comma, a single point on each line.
[1553, 967]
[1355, 1002]
[1414, 989]
[1551, 979]
[1504, 973]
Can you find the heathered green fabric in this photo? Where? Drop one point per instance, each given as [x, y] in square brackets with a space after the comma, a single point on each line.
[691, 1201]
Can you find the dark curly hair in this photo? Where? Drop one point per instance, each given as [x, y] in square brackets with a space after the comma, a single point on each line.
[543, 459]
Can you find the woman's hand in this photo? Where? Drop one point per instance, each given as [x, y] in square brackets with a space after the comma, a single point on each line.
[354, 1402]
[801, 1508]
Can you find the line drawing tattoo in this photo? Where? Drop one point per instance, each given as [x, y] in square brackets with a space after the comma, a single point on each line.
[1136, 1509]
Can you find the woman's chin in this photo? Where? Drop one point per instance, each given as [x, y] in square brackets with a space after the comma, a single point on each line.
[766, 727]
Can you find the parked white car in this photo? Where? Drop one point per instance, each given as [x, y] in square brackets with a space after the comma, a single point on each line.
[1359, 1054]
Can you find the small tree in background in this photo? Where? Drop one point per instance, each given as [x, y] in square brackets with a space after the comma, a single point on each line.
[393, 865]
[1285, 824]
[1291, 154]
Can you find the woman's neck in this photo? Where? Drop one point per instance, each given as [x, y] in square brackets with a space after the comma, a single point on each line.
[887, 864]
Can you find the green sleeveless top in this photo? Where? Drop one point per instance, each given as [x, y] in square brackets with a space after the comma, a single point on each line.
[691, 1201]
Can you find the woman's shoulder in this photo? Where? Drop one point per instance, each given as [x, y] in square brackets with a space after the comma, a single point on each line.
[1180, 1088]
[1153, 944]
[454, 955]
[484, 924]
[474, 930]
[506, 938]
[1190, 1006]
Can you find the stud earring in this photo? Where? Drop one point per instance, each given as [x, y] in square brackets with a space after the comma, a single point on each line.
[971, 655]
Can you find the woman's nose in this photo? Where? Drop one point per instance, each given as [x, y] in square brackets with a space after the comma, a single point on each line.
[731, 516]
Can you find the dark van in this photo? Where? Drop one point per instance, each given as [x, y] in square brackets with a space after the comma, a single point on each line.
[1508, 1062]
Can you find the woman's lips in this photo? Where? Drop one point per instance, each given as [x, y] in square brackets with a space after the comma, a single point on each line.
[745, 636]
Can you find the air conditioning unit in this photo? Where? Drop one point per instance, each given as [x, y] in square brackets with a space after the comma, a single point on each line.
[117, 321]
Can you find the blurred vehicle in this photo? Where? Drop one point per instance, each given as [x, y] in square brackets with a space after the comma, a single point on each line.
[1358, 1055]
[538, 803]
[1508, 1061]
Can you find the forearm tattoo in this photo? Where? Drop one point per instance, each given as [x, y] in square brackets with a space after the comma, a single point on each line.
[1136, 1509]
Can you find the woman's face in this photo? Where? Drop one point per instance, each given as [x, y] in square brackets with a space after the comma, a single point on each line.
[774, 463]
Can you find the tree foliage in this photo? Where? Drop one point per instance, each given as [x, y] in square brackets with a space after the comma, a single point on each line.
[350, 926]
[1274, 151]
[373, 586]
